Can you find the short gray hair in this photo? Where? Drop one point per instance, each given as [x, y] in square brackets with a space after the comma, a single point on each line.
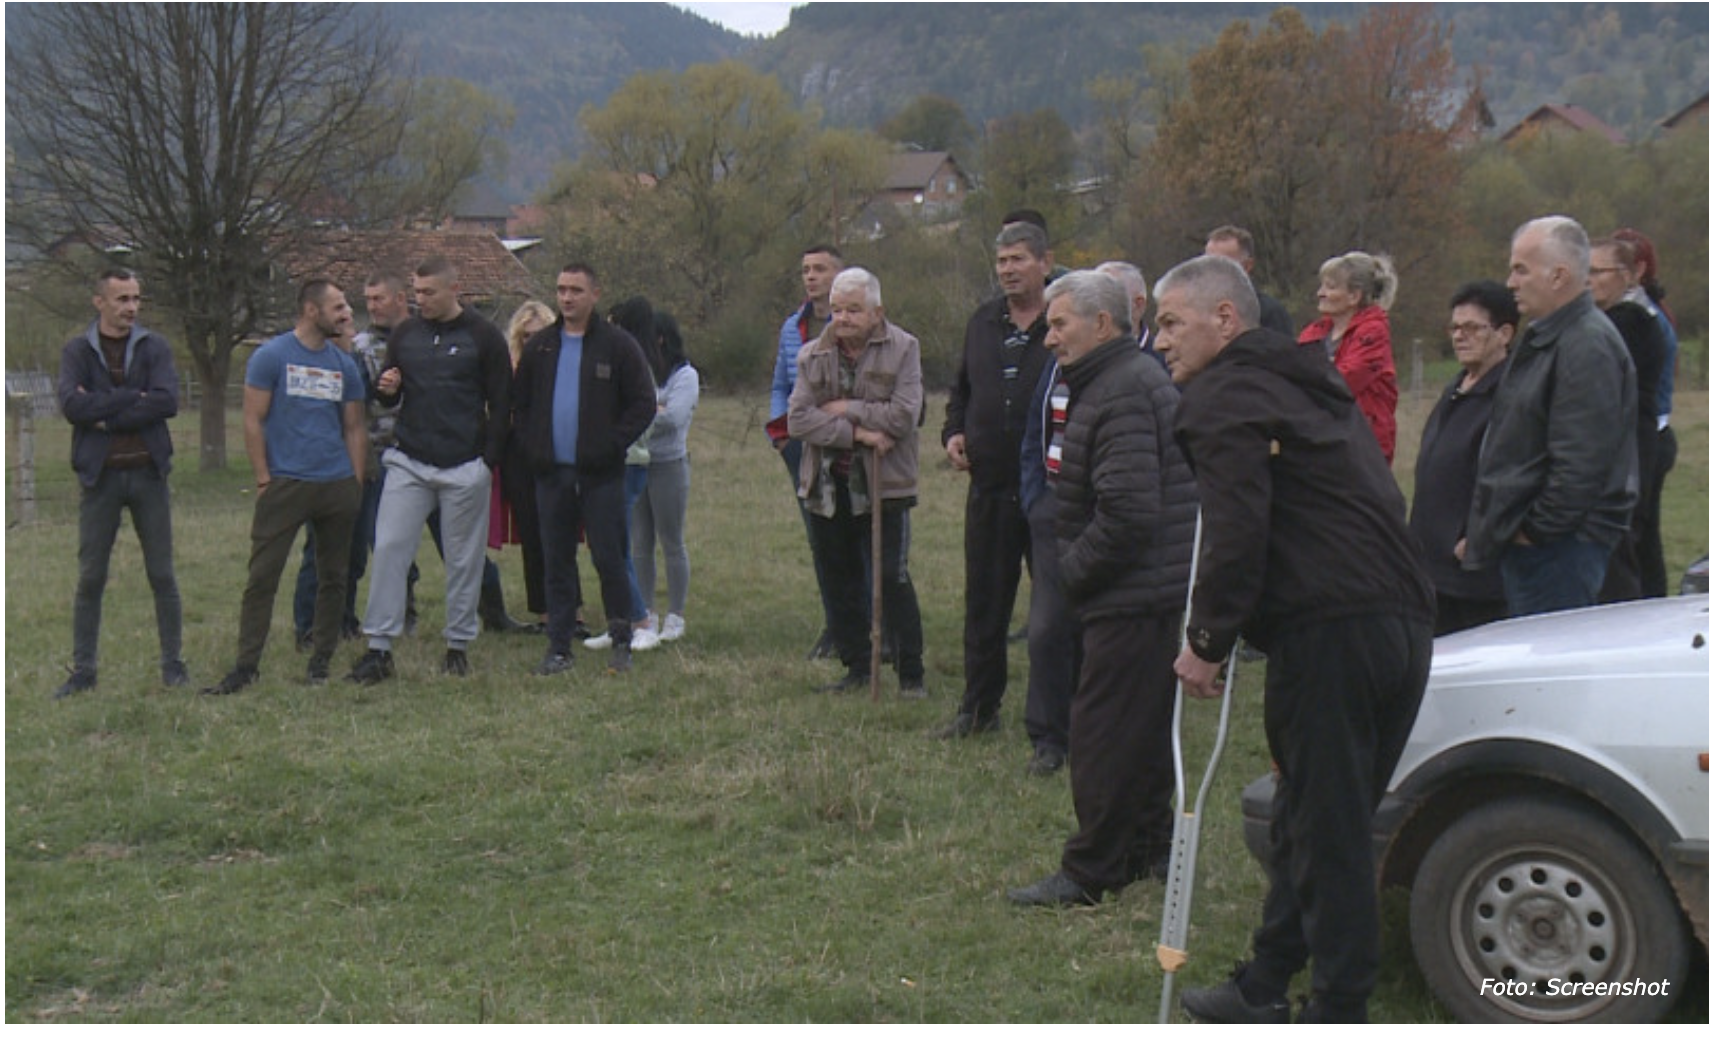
[1208, 281]
[1037, 242]
[1092, 293]
[1565, 242]
[852, 278]
[1128, 275]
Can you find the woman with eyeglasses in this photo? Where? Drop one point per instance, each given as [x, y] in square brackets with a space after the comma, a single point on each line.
[1355, 291]
[1483, 320]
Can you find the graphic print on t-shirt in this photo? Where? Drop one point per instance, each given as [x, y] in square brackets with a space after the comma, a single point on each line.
[323, 384]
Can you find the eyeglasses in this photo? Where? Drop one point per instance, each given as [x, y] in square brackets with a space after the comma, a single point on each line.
[1469, 328]
[1607, 270]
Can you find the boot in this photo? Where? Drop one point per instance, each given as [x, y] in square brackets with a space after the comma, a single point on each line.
[492, 608]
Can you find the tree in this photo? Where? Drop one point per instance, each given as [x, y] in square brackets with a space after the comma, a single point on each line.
[930, 122]
[202, 136]
[1028, 162]
[700, 187]
[1317, 144]
[454, 132]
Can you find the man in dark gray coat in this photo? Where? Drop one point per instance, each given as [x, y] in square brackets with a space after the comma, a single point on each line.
[1125, 508]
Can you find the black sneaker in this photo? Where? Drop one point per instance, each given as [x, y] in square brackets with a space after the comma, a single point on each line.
[1046, 761]
[966, 724]
[1056, 890]
[454, 663]
[232, 682]
[554, 664]
[1224, 1003]
[822, 649]
[372, 668]
[853, 680]
[581, 630]
[914, 689]
[619, 660]
[80, 680]
[316, 672]
[173, 673]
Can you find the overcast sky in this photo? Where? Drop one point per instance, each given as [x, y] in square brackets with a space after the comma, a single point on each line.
[755, 19]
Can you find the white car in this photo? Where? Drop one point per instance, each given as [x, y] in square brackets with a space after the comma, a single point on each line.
[1550, 814]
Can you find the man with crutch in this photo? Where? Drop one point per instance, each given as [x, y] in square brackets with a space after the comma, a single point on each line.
[1306, 552]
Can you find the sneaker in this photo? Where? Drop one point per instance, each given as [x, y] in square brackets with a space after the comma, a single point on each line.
[372, 668]
[673, 627]
[645, 639]
[174, 673]
[1057, 890]
[1225, 1003]
[966, 724]
[913, 689]
[80, 680]
[822, 649]
[619, 661]
[454, 663]
[554, 664]
[602, 642]
[232, 682]
[316, 672]
[853, 680]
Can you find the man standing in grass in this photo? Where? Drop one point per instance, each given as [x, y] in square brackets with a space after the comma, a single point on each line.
[1306, 552]
[858, 392]
[1001, 360]
[449, 371]
[583, 394]
[304, 433]
[1124, 500]
[817, 269]
[117, 388]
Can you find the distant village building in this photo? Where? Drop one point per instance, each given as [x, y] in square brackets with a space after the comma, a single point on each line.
[1690, 117]
[930, 185]
[1562, 119]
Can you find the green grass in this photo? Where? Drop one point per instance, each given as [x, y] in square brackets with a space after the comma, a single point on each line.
[702, 840]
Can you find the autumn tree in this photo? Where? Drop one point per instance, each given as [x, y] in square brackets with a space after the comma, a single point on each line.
[700, 187]
[1318, 144]
[202, 137]
[1028, 161]
[451, 133]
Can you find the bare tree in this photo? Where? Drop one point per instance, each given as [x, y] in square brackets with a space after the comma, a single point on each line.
[204, 137]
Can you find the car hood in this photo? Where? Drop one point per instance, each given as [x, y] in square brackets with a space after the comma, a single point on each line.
[1625, 686]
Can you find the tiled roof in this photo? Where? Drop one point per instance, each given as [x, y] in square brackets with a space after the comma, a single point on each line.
[486, 268]
[912, 171]
[1573, 115]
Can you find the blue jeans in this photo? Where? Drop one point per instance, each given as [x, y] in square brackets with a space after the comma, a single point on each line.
[144, 492]
[1560, 575]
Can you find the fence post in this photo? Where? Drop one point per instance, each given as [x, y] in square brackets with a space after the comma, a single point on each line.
[25, 409]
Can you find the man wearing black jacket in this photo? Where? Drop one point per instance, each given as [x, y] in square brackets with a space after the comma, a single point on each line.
[1125, 509]
[1000, 362]
[449, 372]
[583, 392]
[1306, 553]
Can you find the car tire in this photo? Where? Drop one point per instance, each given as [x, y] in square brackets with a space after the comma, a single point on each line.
[1531, 889]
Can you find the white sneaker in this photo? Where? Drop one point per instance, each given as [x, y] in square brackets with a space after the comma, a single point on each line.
[645, 639]
[602, 642]
[673, 627]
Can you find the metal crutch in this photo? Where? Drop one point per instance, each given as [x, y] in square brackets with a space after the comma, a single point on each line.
[1184, 845]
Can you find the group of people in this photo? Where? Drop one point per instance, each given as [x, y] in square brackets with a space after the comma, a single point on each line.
[1099, 453]
[566, 427]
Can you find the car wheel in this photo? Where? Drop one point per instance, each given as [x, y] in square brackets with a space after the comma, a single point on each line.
[1520, 903]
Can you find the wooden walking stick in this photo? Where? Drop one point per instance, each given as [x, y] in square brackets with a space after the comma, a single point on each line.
[876, 460]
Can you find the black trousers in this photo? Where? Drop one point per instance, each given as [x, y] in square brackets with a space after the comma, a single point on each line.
[842, 545]
[1653, 579]
[567, 500]
[997, 541]
[1052, 637]
[1119, 749]
[1340, 698]
[519, 487]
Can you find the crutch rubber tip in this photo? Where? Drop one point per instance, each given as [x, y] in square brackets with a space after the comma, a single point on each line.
[1170, 959]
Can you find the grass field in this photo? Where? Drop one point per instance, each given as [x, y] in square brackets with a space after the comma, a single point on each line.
[702, 840]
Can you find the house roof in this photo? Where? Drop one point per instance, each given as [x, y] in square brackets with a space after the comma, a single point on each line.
[486, 267]
[1697, 106]
[1571, 115]
[913, 171]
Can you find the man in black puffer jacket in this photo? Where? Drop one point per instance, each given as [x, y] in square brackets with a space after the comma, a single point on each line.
[1306, 552]
[1125, 508]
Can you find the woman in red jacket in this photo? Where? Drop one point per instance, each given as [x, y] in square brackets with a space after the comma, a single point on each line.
[1355, 292]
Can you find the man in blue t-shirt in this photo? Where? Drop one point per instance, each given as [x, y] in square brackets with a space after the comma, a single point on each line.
[304, 433]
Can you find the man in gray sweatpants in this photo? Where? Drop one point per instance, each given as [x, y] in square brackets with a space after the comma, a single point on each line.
[448, 369]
